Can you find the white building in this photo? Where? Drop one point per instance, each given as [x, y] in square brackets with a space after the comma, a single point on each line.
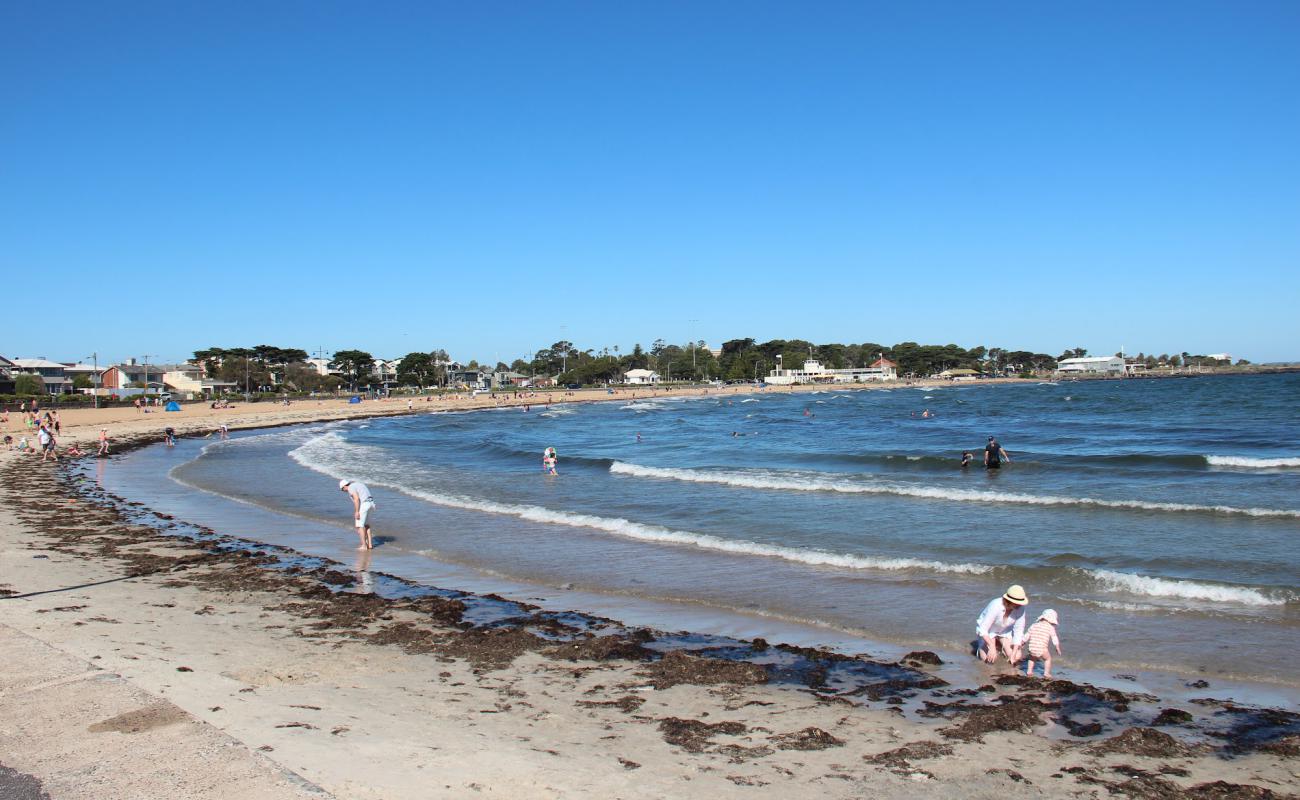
[641, 377]
[1221, 357]
[322, 367]
[1091, 365]
[52, 374]
[189, 380]
[812, 371]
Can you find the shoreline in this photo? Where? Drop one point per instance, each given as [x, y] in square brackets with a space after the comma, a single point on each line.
[695, 733]
[212, 508]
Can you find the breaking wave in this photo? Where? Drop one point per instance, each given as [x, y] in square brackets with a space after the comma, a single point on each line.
[1252, 463]
[819, 483]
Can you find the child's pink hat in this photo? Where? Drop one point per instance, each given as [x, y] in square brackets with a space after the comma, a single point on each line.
[1049, 615]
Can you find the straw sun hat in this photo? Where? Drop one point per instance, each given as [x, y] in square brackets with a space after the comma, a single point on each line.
[1016, 594]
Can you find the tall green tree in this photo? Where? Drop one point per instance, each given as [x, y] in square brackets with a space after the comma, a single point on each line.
[417, 369]
[354, 364]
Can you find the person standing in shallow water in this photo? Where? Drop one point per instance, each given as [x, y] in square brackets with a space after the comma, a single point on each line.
[362, 506]
[994, 455]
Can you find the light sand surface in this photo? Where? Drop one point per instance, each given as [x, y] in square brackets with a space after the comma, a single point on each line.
[243, 686]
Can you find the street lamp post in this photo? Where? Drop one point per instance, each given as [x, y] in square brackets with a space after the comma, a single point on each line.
[95, 356]
[146, 378]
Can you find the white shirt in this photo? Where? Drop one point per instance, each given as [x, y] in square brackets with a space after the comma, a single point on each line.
[360, 491]
[43, 436]
[994, 622]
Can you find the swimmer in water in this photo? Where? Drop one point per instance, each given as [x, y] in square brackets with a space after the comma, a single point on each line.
[549, 461]
[966, 458]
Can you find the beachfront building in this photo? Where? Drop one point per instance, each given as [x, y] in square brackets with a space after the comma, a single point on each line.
[812, 371]
[508, 380]
[189, 379]
[120, 378]
[641, 377]
[52, 373]
[468, 378]
[1091, 365]
[385, 372]
[959, 374]
[6, 376]
[323, 368]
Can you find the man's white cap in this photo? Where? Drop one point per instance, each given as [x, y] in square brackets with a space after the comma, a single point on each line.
[343, 484]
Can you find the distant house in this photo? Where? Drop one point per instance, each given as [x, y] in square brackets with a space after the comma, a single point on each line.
[52, 373]
[385, 372]
[961, 373]
[6, 376]
[469, 378]
[189, 379]
[502, 380]
[641, 377]
[1091, 365]
[1220, 357]
[323, 368]
[134, 376]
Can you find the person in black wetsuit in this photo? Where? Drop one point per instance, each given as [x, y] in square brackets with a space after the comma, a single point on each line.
[994, 455]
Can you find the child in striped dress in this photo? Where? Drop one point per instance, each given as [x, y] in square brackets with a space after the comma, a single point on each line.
[1038, 642]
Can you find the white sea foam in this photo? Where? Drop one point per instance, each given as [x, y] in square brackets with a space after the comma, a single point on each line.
[1180, 589]
[819, 482]
[1252, 463]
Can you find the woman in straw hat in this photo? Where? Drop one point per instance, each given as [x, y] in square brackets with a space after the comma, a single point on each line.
[1002, 626]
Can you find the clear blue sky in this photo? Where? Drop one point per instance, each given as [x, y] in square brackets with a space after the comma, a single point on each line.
[490, 177]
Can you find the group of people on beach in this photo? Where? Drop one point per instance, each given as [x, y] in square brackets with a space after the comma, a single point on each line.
[1000, 629]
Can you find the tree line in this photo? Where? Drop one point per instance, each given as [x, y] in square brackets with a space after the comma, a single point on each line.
[738, 359]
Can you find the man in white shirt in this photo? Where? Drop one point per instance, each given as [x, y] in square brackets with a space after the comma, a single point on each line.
[1002, 626]
[47, 443]
[362, 505]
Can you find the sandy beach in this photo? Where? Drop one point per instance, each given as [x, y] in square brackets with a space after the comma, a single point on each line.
[150, 658]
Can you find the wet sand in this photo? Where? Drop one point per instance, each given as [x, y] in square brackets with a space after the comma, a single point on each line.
[421, 692]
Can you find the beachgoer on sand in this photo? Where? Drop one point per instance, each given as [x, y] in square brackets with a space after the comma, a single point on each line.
[1001, 626]
[1038, 641]
[103, 442]
[47, 444]
[363, 505]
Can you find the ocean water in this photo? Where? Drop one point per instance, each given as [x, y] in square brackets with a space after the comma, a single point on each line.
[1160, 518]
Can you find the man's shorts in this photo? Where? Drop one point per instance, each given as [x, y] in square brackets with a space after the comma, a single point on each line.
[363, 518]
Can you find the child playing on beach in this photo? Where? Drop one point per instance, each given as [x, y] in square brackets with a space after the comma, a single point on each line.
[1039, 639]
